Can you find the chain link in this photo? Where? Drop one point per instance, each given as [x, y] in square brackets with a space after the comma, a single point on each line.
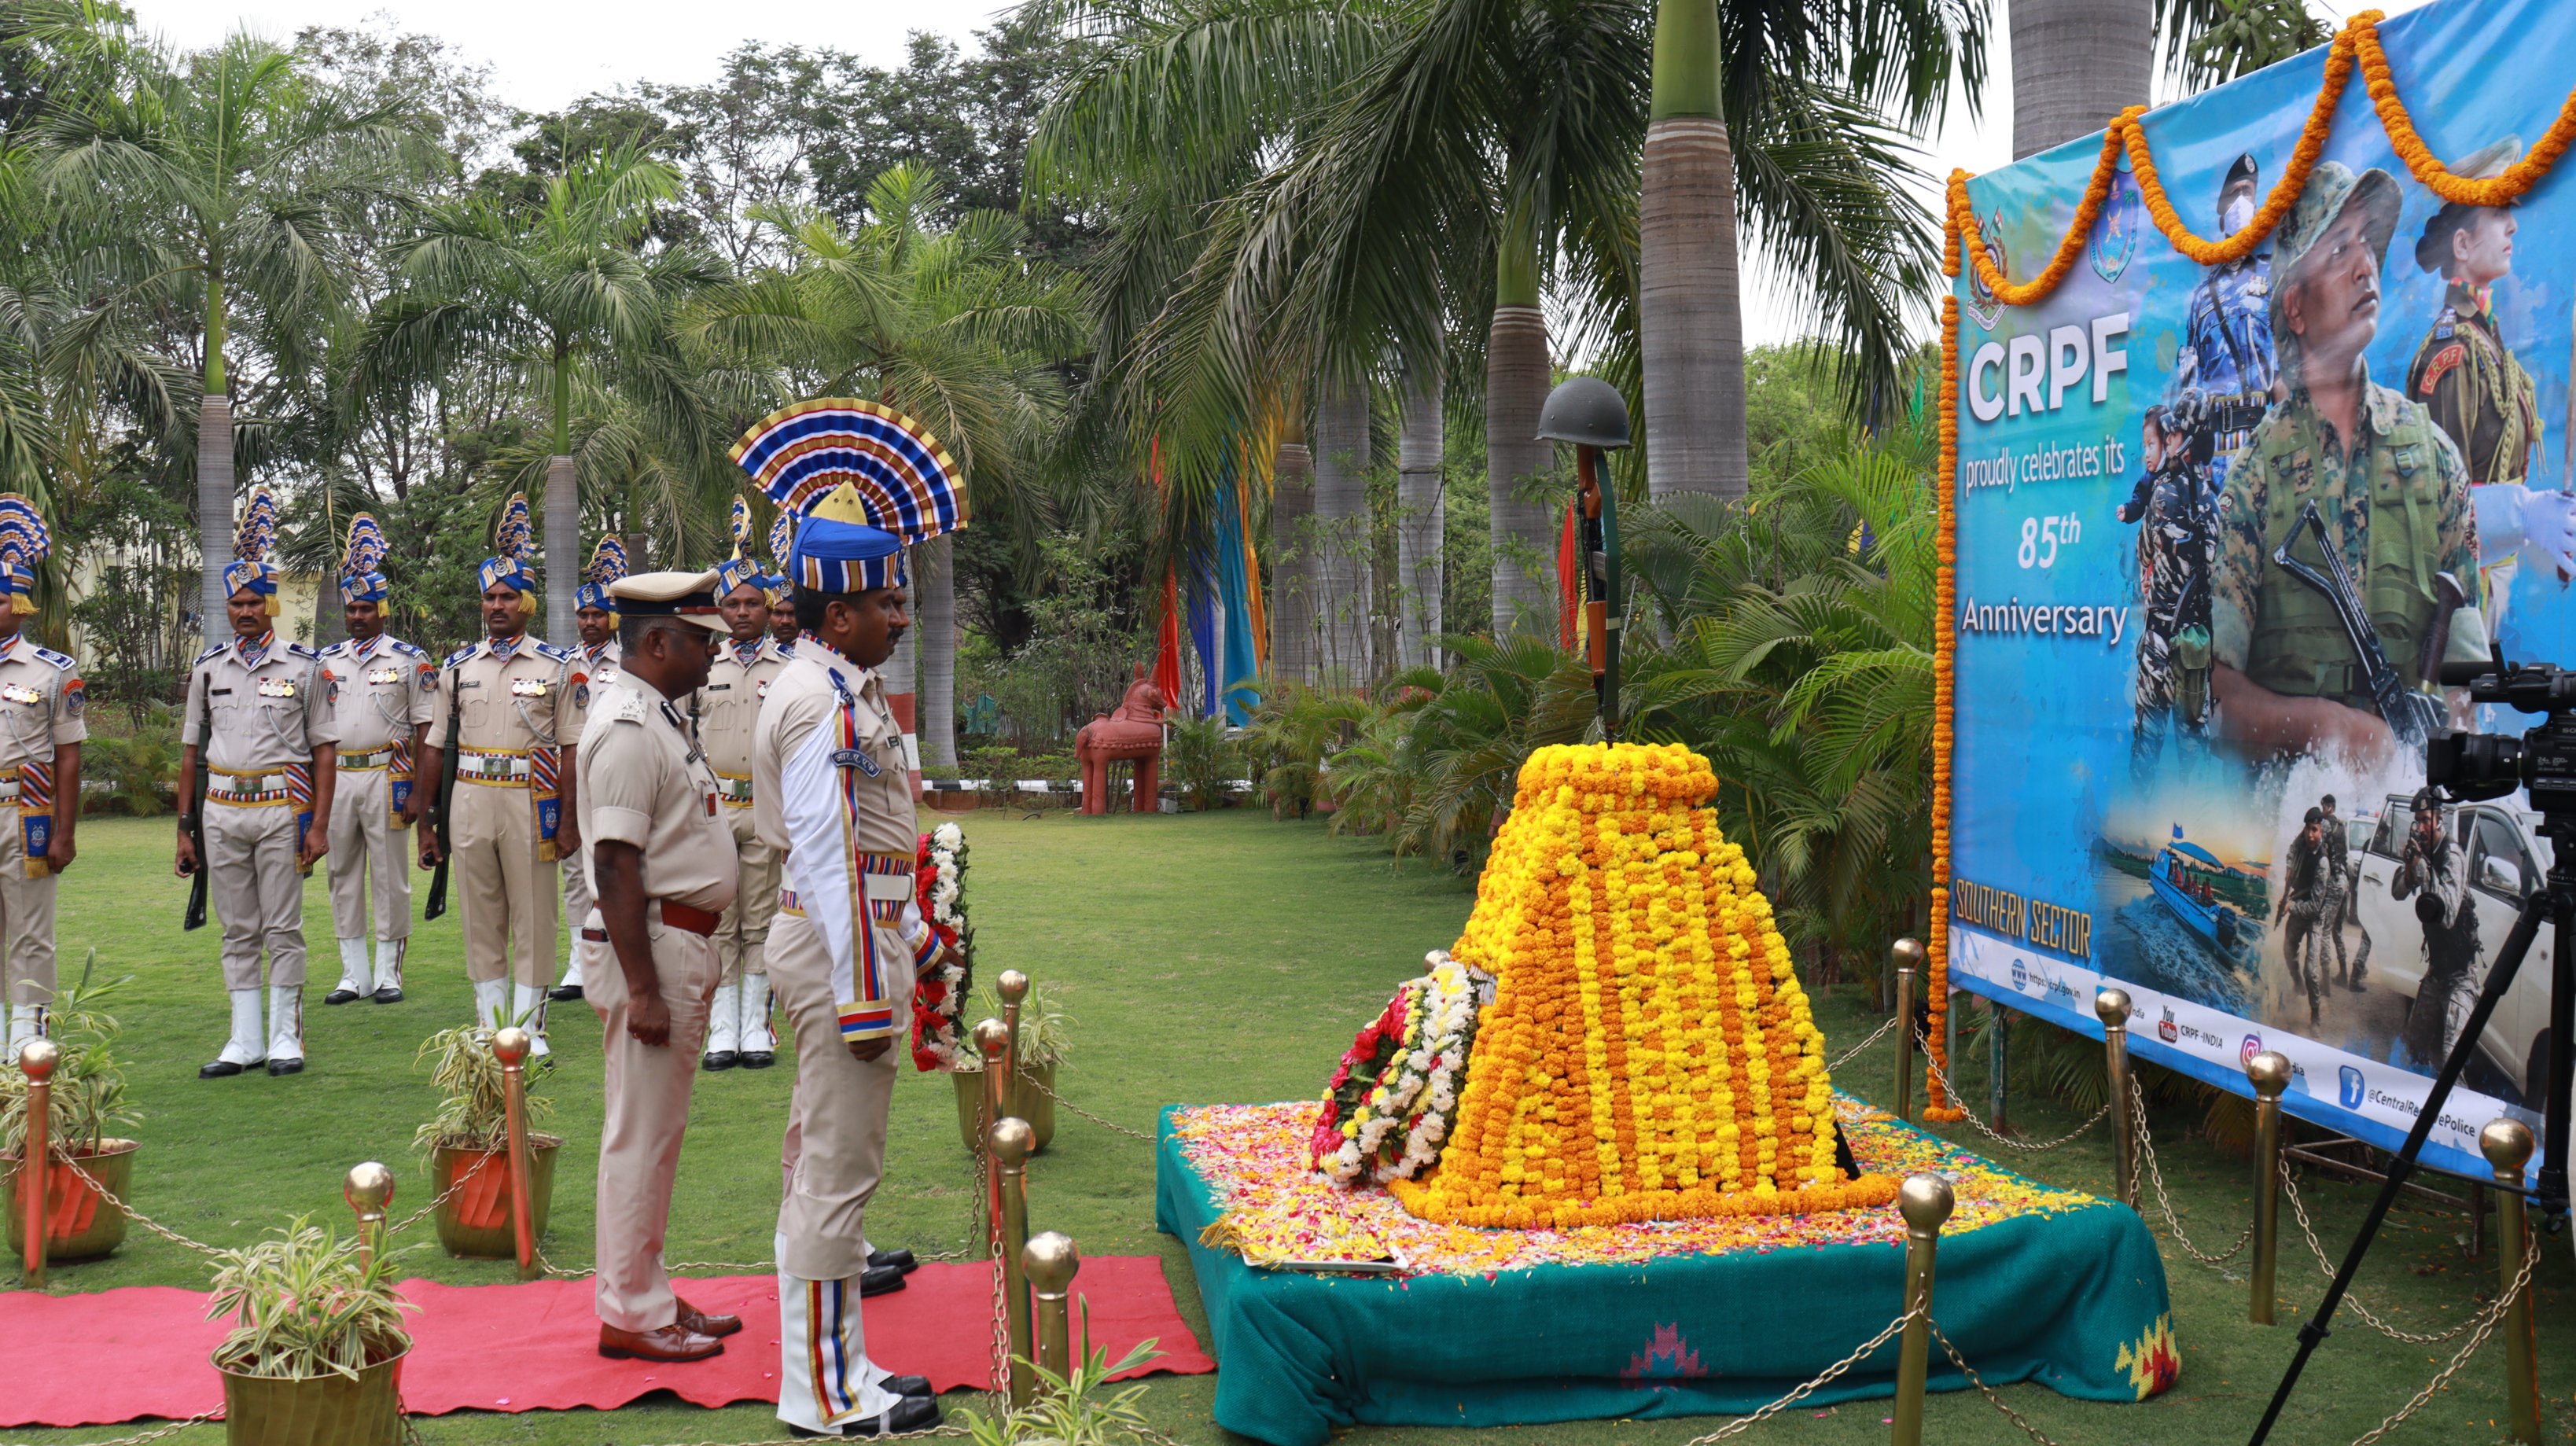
[1853, 1053]
[1959, 1101]
[2325, 1263]
[1992, 1399]
[157, 1432]
[1746, 1423]
[139, 1218]
[2164, 1202]
[1049, 1092]
[443, 1196]
[2486, 1321]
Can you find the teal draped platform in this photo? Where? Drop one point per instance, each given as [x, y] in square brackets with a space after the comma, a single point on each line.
[2069, 1292]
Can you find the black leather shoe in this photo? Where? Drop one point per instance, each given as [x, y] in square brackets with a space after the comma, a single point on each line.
[719, 1059]
[912, 1413]
[758, 1059]
[564, 993]
[342, 995]
[389, 994]
[879, 1280]
[896, 1256]
[278, 1067]
[908, 1385]
[220, 1069]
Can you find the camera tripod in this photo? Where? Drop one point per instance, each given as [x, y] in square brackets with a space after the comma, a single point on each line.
[2553, 903]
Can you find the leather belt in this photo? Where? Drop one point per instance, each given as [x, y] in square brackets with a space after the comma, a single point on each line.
[366, 762]
[684, 917]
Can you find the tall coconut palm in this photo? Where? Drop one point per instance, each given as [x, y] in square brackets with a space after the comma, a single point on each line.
[1421, 446]
[1342, 533]
[2076, 64]
[559, 286]
[229, 179]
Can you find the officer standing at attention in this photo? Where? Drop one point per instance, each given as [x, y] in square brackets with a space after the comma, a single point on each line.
[382, 687]
[594, 616]
[40, 748]
[501, 702]
[782, 618]
[260, 722]
[661, 862]
[2226, 357]
[725, 709]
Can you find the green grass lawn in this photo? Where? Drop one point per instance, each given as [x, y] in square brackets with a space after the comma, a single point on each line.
[1217, 957]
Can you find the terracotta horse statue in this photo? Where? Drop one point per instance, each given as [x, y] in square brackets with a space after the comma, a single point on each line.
[1132, 731]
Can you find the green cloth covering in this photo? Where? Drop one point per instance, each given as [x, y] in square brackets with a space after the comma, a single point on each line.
[2065, 1298]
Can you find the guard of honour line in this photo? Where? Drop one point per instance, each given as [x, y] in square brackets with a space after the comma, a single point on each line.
[712, 785]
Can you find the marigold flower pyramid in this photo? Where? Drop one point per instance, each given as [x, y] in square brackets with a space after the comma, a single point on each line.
[1646, 1052]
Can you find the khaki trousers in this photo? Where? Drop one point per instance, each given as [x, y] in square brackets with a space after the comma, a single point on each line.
[27, 922]
[257, 891]
[646, 1089]
[742, 934]
[370, 858]
[510, 894]
[834, 1152]
[576, 904]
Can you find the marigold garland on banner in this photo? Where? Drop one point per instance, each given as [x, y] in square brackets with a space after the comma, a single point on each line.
[1964, 243]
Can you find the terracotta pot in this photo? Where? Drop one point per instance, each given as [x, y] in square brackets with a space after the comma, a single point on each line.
[79, 1224]
[475, 1221]
[330, 1410]
[1026, 1102]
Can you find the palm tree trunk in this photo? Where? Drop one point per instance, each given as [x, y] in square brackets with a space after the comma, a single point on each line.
[1292, 561]
[1418, 523]
[1341, 532]
[1690, 317]
[214, 509]
[936, 586]
[1517, 373]
[2075, 65]
[563, 548]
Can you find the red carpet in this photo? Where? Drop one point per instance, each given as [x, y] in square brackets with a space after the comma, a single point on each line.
[533, 1347]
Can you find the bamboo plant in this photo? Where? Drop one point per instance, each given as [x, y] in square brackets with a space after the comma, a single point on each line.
[473, 1113]
[306, 1304]
[88, 1082]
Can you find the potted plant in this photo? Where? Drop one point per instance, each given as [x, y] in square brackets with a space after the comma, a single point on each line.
[88, 1102]
[316, 1350]
[1042, 1048]
[469, 1147]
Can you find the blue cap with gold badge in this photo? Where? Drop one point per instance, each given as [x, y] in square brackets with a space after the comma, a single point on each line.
[253, 540]
[607, 564]
[514, 542]
[25, 543]
[361, 559]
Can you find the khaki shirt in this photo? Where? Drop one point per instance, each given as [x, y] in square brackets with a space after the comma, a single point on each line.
[728, 707]
[267, 714]
[592, 670]
[646, 784]
[382, 690]
[40, 703]
[506, 703]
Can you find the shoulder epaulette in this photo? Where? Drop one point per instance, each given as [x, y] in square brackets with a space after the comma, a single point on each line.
[59, 660]
[210, 652]
[406, 649]
[560, 655]
[460, 655]
[298, 650]
[631, 707]
[338, 647]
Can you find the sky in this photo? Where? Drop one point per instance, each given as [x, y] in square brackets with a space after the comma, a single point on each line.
[545, 53]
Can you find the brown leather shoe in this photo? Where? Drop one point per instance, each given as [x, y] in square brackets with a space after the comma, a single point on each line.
[674, 1342]
[694, 1319]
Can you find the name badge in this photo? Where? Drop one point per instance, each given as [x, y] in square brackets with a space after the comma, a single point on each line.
[854, 758]
[527, 687]
[277, 687]
[21, 693]
[385, 675]
[761, 690]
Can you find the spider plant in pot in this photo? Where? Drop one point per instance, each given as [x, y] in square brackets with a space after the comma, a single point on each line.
[88, 1105]
[468, 1141]
[1043, 1038]
[316, 1350]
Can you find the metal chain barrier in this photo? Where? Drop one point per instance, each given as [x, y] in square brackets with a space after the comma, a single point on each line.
[2325, 1263]
[2164, 1202]
[459, 1183]
[1746, 1423]
[1853, 1053]
[1960, 1102]
[1050, 1093]
[157, 1432]
[980, 1201]
[139, 1218]
[1992, 1399]
[2486, 1321]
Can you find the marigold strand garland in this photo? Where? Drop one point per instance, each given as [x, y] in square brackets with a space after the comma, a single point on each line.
[1963, 240]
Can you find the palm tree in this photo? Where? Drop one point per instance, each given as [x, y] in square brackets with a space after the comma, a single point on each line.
[1420, 449]
[1342, 531]
[954, 327]
[221, 184]
[563, 287]
[2076, 64]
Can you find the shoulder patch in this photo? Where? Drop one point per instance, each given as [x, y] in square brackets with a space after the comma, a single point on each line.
[210, 652]
[460, 655]
[298, 650]
[560, 655]
[406, 649]
[59, 660]
[2443, 361]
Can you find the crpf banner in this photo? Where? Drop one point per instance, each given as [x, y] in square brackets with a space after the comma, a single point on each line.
[2217, 524]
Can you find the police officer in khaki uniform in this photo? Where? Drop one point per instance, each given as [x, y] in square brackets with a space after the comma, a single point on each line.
[514, 807]
[782, 618]
[383, 687]
[2388, 485]
[594, 662]
[661, 863]
[726, 708]
[261, 723]
[40, 748]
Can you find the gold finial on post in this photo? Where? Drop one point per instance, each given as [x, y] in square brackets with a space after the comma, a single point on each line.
[1050, 1261]
[370, 1192]
[991, 1038]
[2507, 1144]
[1925, 1201]
[36, 1060]
[2111, 1006]
[2270, 1073]
[1013, 1141]
[1013, 987]
[510, 1045]
[1908, 953]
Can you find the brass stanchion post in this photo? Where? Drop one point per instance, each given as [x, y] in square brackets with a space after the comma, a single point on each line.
[1909, 957]
[992, 1040]
[2507, 1145]
[511, 1046]
[36, 1060]
[2111, 1006]
[1050, 1261]
[370, 1192]
[1925, 1202]
[1012, 1141]
[1013, 986]
[2270, 1072]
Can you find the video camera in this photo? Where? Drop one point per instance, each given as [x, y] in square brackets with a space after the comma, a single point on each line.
[2470, 766]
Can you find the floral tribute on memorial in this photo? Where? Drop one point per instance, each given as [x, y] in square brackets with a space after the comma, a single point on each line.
[1643, 1050]
[939, 998]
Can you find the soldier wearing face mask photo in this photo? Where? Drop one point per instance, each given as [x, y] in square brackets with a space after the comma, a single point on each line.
[2227, 355]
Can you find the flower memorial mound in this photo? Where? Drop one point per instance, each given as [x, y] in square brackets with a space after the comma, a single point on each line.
[1646, 1052]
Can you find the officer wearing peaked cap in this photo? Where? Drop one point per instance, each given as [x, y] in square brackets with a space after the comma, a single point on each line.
[40, 747]
[382, 687]
[746, 664]
[261, 723]
[594, 615]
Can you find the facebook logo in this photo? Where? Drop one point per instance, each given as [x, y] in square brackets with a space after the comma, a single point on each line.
[2348, 1080]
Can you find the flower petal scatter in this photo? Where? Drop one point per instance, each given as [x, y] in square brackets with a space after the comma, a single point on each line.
[1647, 1053]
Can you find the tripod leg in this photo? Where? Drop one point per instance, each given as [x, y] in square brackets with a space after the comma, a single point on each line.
[2562, 1062]
[2546, 904]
